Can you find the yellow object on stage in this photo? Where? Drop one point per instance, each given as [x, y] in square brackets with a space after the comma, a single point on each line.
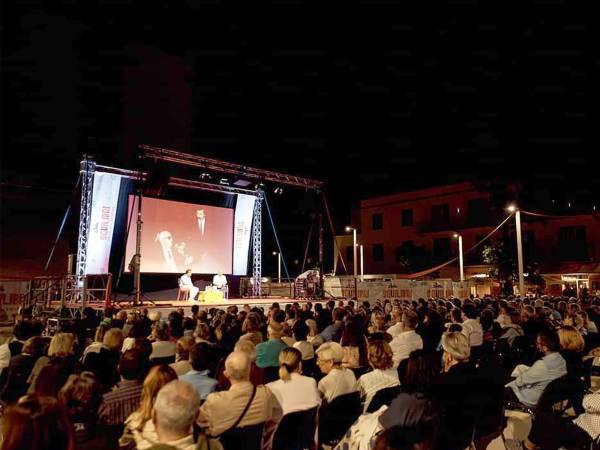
[210, 296]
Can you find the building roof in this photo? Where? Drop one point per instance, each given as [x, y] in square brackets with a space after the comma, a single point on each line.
[449, 189]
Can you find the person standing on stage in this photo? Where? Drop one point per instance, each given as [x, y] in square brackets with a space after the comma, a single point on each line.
[220, 282]
[185, 284]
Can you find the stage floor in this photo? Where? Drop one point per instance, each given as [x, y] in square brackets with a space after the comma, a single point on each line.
[239, 302]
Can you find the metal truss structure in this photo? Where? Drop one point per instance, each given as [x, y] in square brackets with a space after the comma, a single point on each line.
[257, 245]
[88, 168]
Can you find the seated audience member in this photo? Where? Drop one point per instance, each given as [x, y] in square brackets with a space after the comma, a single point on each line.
[300, 330]
[422, 437]
[379, 327]
[471, 327]
[267, 353]
[202, 333]
[251, 330]
[354, 343]
[5, 337]
[333, 332]
[61, 363]
[531, 381]
[182, 364]
[104, 362]
[294, 391]
[124, 399]
[408, 340]
[383, 374]
[19, 369]
[139, 429]
[174, 412]
[21, 332]
[138, 331]
[98, 341]
[221, 410]
[257, 375]
[457, 393]
[199, 375]
[337, 380]
[571, 349]
[163, 347]
[81, 395]
[589, 421]
[314, 338]
[396, 328]
[510, 327]
[37, 423]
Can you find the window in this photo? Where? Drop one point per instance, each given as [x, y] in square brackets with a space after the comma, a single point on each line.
[377, 252]
[441, 247]
[572, 243]
[407, 217]
[478, 211]
[440, 214]
[378, 221]
[404, 251]
[349, 254]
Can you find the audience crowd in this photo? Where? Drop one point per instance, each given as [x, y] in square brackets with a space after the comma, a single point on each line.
[424, 374]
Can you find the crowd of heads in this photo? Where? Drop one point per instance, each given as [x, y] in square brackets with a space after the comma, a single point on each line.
[53, 387]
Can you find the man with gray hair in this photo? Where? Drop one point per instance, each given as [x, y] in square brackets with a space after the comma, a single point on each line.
[174, 412]
[222, 410]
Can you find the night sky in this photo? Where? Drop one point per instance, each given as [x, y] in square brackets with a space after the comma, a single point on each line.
[370, 97]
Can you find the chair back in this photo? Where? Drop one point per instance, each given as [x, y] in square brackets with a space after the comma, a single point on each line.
[296, 431]
[165, 360]
[247, 438]
[561, 394]
[336, 417]
[383, 397]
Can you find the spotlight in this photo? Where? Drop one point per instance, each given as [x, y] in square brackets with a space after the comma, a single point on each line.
[278, 190]
[511, 208]
[224, 181]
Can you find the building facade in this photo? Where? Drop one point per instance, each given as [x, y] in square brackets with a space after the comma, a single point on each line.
[412, 231]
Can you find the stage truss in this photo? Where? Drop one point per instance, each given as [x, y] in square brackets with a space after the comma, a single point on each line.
[77, 291]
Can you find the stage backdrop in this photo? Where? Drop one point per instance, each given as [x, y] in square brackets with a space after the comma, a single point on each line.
[178, 236]
[105, 199]
[244, 212]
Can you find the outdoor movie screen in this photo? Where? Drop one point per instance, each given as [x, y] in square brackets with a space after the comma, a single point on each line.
[179, 236]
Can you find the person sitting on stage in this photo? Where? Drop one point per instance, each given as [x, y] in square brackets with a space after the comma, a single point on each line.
[185, 284]
[220, 282]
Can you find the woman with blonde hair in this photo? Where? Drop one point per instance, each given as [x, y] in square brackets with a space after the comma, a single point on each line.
[314, 337]
[571, 349]
[139, 428]
[383, 375]
[103, 362]
[202, 333]
[62, 345]
[294, 391]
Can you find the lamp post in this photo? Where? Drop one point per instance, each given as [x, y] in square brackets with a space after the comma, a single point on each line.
[514, 209]
[362, 264]
[278, 266]
[460, 256]
[353, 249]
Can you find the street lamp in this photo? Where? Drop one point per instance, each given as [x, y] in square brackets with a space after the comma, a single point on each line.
[514, 209]
[460, 256]
[348, 229]
[278, 266]
[362, 264]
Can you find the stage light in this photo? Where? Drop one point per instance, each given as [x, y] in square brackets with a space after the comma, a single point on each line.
[278, 190]
[224, 181]
[205, 176]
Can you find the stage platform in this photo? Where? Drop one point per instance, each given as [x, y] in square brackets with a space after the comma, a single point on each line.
[264, 303]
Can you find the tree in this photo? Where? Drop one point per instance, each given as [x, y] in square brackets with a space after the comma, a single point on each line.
[502, 257]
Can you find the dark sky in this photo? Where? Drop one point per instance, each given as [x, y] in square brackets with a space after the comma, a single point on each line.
[371, 97]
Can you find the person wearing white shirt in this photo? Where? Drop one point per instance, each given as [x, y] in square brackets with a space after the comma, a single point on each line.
[471, 327]
[338, 380]
[293, 391]
[383, 374]
[185, 284]
[396, 329]
[220, 282]
[300, 331]
[407, 341]
[4, 350]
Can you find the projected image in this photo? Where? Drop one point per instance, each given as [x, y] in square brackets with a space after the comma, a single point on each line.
[179, 236]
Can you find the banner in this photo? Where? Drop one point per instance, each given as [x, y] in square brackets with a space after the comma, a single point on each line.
[242, 229]
[105, 197]
[12, 295]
